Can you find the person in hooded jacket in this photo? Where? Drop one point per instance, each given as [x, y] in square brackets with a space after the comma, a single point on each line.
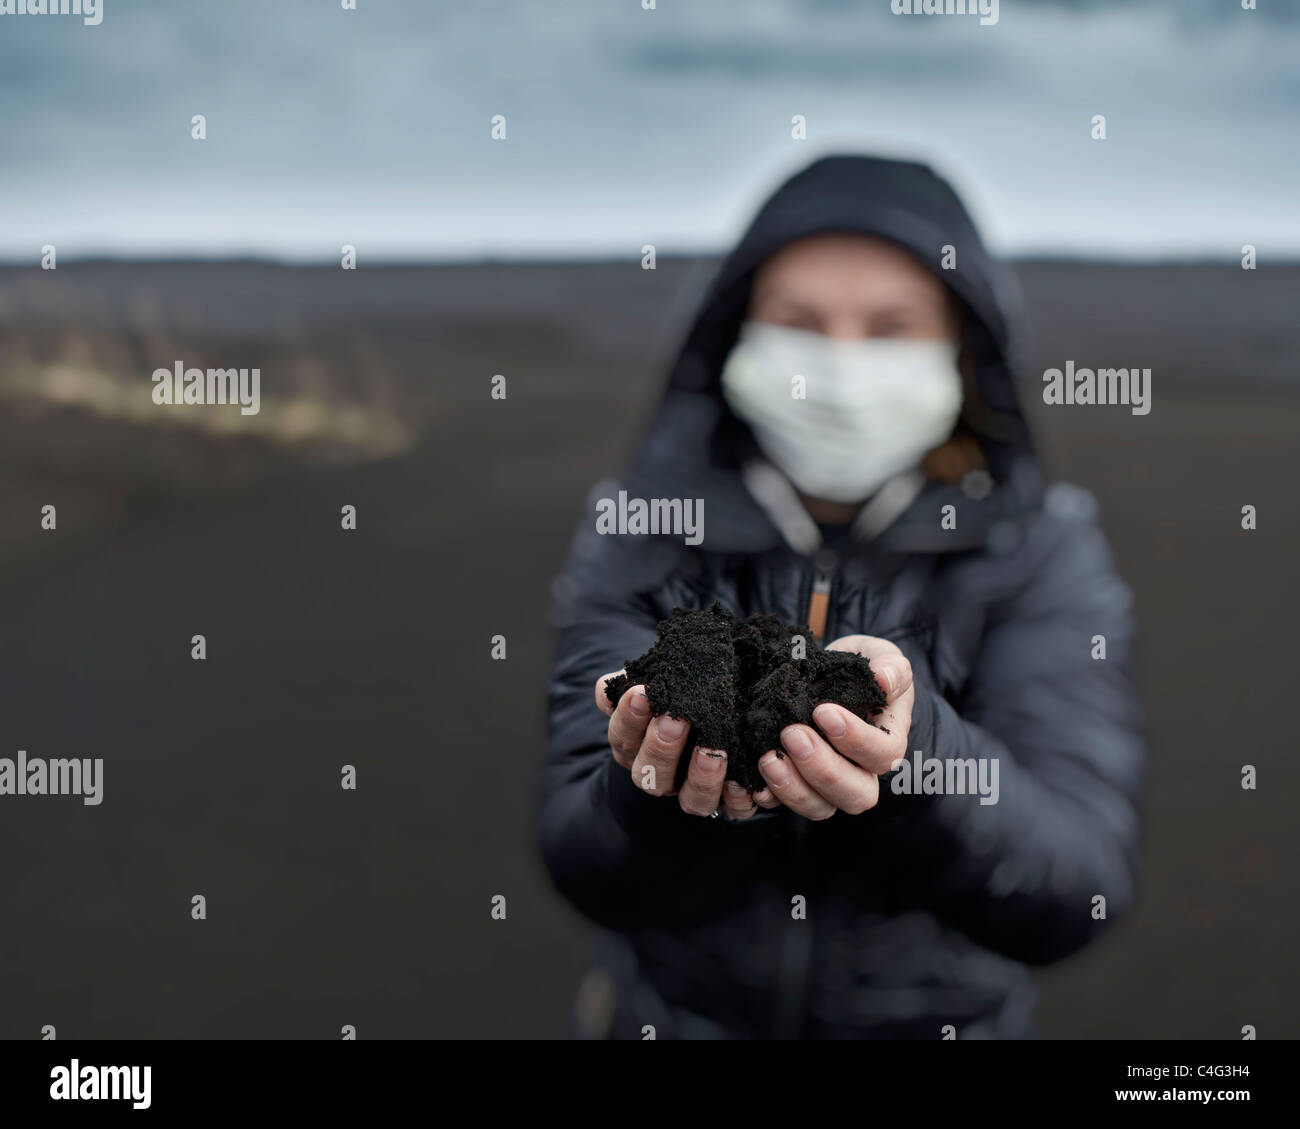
[898, 509]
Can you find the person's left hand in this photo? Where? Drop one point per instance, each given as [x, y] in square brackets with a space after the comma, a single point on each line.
[813, 779]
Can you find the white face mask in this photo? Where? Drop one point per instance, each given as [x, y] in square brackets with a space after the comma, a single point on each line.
[870, 409]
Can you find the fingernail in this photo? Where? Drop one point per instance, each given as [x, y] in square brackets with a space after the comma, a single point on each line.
[639, 705]
[671, 728]
[894, 676]
[796, 743]
[776, 773]
[710, 760]
[831, 721]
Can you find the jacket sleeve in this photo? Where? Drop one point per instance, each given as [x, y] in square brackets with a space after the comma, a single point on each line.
[1063, 729]
[621, 856]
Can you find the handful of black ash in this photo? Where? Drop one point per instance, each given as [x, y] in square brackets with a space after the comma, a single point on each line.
[740, 682]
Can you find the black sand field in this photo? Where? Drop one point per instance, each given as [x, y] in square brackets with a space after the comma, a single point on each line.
[374, 648]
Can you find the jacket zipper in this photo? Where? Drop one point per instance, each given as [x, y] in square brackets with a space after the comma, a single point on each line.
[797, 948]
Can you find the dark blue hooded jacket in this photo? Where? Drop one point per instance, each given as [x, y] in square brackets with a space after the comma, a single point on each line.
[924, 911]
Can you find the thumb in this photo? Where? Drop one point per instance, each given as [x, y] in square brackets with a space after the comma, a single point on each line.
[602, 699]
[894, 673]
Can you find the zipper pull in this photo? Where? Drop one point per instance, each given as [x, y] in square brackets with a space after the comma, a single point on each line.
[819, 601]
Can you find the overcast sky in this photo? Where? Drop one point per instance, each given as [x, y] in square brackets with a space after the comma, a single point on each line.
[627, 126]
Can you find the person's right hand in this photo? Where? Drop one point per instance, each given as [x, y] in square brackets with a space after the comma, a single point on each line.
[651, 747]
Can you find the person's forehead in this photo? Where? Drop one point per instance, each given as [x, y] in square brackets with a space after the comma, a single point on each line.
[834, 262]
[839, 242]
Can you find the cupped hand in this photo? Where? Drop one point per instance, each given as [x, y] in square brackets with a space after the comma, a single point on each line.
[814, 778]
[652, 747]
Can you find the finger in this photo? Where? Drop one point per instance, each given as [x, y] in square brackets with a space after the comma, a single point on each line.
[895, 720]
[865, 744]
[702, 791]
[655, 767]
[602, 699]
[791, 789]
[627, 725]
[737, 803]
[850, 788]
[764, 799]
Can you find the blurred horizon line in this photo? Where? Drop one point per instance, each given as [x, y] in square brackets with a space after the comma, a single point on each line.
[1189, 259]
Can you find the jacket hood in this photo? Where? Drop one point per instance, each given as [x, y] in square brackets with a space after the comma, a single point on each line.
[696, 447]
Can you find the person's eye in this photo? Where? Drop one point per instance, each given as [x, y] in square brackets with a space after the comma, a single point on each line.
[905, 326]
[893, 327]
